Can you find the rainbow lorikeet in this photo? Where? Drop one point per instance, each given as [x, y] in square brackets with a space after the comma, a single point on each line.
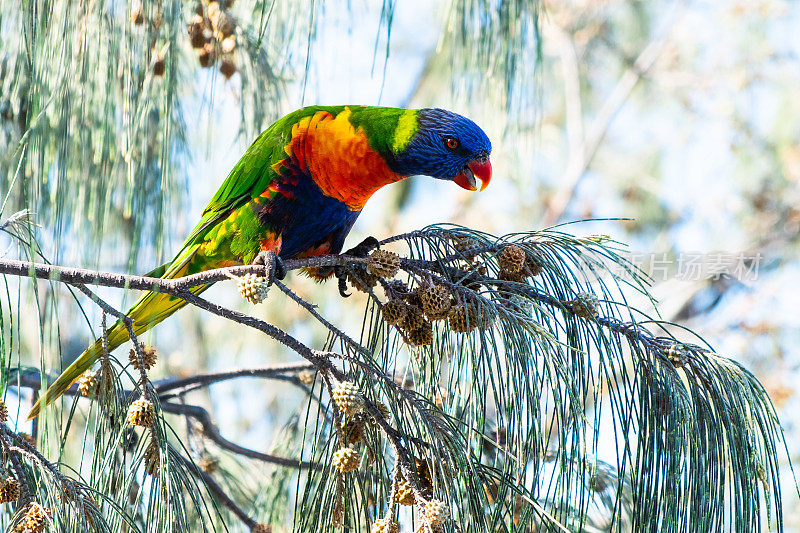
[297, 191]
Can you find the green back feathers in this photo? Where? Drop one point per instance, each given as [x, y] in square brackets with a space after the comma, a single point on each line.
[388, 129]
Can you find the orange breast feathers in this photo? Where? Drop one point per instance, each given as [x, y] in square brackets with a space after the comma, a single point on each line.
[339, 158]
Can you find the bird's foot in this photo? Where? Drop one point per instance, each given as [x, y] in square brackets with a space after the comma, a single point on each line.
[341, 277]
[363, 248]
[273, 265]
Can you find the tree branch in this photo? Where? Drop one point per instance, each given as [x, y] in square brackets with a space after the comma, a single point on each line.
[211, 431]
[32, 380]
[209, 378]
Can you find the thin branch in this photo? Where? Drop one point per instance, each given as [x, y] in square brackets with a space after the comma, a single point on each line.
[33, 381]
[211, 431]
[218, 491]
[81, 276]
[210, 378]
[319, 359]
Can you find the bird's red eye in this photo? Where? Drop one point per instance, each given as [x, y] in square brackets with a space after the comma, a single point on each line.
[451, 143]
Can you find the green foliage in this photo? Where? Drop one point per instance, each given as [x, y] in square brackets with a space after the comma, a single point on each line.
[595, 424]
[545, 416]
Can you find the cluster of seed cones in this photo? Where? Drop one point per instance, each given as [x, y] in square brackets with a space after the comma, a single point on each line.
[139, 17]
[212, 31]
[414, 311]
[351, 405]
[433, 512]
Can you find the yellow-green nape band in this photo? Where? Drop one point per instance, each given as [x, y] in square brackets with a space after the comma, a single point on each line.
[406, 128]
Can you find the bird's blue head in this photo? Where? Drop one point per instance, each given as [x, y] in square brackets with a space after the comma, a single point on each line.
[446, 146]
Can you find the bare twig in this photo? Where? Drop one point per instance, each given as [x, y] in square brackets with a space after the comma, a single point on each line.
[209, 378]
[33, 381]
[211, 431]
[218, 492]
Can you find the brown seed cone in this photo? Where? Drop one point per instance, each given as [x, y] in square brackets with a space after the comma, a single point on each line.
[137, 14]
[149, 357]
[64, 493]
[413, 298]
[361, 279]
[425, 479]
[152, 459]
[227, 68]
[458, 320]
[436, 301]
[353, 431]
[223, 24]
[213, 10]
[141, 413]
[105, 379]
[346, 460]
[208, 55]
[197, 36]
[261, 528]
[396, 288]
[36, 518]
[414, 319]
[422, 336]
[348, 398]
[486, 318]
[585, 305]
[159, 66]
[463, 244]
[209, 464]
[490, 489]
[394, 312]
[436, 512]
[3, 412]
[383, 263]
[385, 525]
[157, 20]
[307, 376]
[6, 111]
[88, 384]
[228, 44]
[9, 490]
[404, 494]
[133, 492]
[512, 259]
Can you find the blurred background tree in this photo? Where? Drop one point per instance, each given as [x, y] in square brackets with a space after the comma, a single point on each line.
[118, 121]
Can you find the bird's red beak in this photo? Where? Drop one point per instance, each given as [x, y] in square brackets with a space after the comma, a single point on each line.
[475, 169]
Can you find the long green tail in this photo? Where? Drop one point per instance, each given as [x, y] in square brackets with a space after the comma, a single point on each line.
[151, 309]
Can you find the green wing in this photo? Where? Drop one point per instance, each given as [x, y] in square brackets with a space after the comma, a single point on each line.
[253, 173]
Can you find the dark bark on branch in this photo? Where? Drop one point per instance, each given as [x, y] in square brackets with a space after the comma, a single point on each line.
[32, 380]
[218, 492]
[202, 380]
[211, 431]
